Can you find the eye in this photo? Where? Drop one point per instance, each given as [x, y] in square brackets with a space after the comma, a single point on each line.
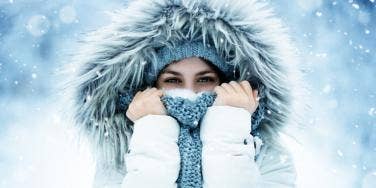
[206, 79]
[171, 80]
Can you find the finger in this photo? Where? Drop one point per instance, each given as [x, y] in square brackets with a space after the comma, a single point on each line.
[255, 96]
[144, 91]
[137, 95]
[247, 88]
[157, 92]
[163, 90]
[237, 88]
[218, 90]
[154, 98]
[149, 92]
[227, 88]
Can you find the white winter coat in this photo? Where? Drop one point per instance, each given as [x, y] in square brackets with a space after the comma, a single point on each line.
[228, 154]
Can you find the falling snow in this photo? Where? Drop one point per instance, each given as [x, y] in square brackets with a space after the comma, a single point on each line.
[372, 112]
[339, 152]
[335, 40]
[67, 14]
[38, 25]
[356, 6]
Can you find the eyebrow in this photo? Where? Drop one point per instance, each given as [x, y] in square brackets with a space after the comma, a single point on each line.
[177, 73]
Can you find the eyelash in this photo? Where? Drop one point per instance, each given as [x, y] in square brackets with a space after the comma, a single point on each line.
[209, 79]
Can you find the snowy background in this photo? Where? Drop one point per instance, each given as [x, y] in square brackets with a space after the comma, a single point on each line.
[336, 40]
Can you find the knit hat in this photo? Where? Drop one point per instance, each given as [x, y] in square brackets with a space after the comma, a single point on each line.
[186, 49]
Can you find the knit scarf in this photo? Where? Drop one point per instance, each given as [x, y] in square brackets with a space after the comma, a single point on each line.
[188, 110]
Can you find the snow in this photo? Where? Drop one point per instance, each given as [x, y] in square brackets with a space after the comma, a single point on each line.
[99, 74]
[327, 88]
[355, 6]
[369, 180]
[372, 112]
[46, 150]
[309, 5]
[40, 148]
[318, 14]
[364, 17]
[38, 25]
[339, 152]
[88, 97]
[67, 14]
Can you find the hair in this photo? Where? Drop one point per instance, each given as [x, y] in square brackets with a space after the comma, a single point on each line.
[221, 75]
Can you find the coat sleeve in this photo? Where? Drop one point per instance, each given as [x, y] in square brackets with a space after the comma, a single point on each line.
[228, 153]
[276, 167]
[153, 157]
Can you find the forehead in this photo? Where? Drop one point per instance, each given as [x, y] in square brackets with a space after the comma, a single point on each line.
[189, 64]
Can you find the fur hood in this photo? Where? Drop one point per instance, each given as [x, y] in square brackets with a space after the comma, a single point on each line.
[114, 59]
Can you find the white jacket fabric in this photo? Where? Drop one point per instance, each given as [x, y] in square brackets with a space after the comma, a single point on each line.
[228, 153]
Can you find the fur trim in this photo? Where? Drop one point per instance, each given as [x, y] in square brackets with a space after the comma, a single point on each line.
[114, 59]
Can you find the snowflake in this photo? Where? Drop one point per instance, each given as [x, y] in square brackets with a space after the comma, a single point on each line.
[195, 122]
[372, 112]
[99, 74]
[283, 158]
[356, 6]
[88, 97]
[339, 152]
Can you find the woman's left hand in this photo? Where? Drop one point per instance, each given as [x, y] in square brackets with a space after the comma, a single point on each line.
[237, 95]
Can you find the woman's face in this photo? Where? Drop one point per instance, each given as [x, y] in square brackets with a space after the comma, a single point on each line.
[191, 73]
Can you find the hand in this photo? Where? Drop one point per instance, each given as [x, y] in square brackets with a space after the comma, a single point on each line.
[237, 95]
[146, 102]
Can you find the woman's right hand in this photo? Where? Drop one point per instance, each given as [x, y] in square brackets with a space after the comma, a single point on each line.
[146, 102]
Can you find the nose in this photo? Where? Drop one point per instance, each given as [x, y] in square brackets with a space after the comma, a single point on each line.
[190, 86]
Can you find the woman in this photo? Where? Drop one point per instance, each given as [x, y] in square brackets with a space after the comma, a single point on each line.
[242, 40]
[235, 103]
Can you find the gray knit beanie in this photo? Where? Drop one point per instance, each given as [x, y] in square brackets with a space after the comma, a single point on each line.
[186, 49]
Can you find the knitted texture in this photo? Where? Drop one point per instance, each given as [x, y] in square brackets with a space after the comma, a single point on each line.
[189, 113]
[186, 49]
